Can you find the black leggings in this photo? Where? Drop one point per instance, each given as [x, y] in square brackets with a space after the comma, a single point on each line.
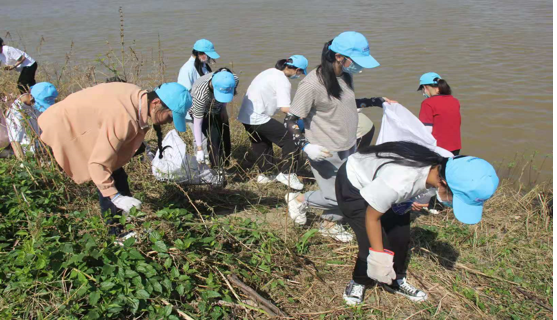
[107, 207]
[27, 78]
[262, 138]
[395, 227]
[218, 139]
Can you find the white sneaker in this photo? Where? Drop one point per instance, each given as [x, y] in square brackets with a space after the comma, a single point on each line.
[263, 179]
[296, 209]
[405, 289]
[290, 180]
[354, 293]
[336, 232]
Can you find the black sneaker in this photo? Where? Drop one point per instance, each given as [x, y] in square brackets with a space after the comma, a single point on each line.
[404, 288]
[354, 293]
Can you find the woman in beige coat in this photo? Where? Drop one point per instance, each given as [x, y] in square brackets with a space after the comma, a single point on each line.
[93, 133]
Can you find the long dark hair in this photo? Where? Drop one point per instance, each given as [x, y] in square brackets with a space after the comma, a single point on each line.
[199, 64]
[326, 73]
[444, 88]
[408, 154]
[282, 64]
[158, 129]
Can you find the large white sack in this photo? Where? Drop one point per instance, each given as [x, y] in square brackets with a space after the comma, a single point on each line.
[399, 124]
[176, 165]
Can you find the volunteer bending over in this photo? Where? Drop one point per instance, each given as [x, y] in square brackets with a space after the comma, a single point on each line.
[325, 100]
[210, 95]
[268, 93]
[15, 59]
[378, 177]
[94, 132]
[21, 118]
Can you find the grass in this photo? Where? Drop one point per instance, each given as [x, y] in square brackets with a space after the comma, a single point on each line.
[58, 261]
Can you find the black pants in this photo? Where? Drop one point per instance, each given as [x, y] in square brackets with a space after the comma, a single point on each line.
[218, 139]
[262, 138]
[107, 207]
[27, 78]
[395, 228]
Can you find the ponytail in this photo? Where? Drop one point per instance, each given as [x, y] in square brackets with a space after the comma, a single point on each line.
[408, 154]
[158, 129]
[444, 88]
[326, 73]
[283, 64]
[160, 148]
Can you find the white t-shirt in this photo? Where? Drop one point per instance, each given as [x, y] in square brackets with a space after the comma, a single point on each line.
[21, 122]
[10, 55]
[268, 92]
[188, 74]
[393, 184]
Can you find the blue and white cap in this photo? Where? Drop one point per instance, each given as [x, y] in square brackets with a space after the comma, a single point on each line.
[355, 46]
[207, 47]
[472, 181]
[44, 94]
[223, 86]
[178, 99]
[428, 79]
[299, 62]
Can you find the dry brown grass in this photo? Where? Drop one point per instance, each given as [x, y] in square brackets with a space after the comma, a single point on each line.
[500, 268]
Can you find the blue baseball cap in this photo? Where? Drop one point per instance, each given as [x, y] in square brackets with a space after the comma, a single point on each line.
[178, 99]
[472, 181]
[223, 86]
[354, 45]
[428, 79]
[299, 62]
[207, 47]
[44, 94]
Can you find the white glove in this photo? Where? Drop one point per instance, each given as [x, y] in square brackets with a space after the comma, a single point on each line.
[317, 153]
[380, 266]
[125, 203]
[200, 156]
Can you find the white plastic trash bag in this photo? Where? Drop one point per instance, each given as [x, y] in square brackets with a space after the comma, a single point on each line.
[178, 166]
[399, 124]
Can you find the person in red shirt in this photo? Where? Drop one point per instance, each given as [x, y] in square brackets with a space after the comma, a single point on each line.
[440, 112]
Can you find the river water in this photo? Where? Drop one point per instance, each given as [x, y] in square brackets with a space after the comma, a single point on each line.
[495, 54]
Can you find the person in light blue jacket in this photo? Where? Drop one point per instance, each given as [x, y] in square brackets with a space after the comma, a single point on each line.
[198, 65]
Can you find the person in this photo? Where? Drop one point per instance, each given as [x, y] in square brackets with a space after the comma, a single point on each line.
[267, 94]
[21, 118]
[15, 59]
[210, 94]
[372, 182]
[440, 112]
[94, 132]
[325, 100]
[199, 64]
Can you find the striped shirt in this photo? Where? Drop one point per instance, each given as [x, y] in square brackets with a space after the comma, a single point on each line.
[329, 122]
[203, 99]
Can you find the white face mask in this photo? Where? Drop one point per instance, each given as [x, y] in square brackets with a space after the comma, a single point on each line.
[444, 202]
[296, 76]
